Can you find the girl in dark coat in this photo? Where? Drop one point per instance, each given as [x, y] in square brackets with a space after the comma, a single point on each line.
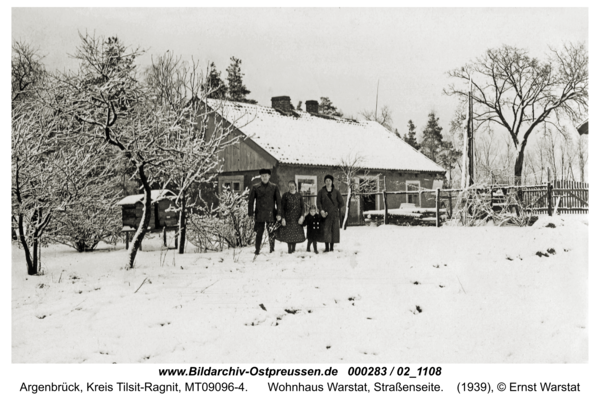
[292, 208]
[314, 234]
[330, 203]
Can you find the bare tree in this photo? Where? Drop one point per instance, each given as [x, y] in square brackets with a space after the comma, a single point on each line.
[27, 70]
[50, 174]
[457, 136]
[113, 108]
[582, 155]
[356, 179]
[488, 157]
[383, 116]
[519, 92]
[192, 146]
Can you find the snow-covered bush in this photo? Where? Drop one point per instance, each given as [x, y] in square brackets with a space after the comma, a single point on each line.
[226, 226]
[84, 225]
[475, 206]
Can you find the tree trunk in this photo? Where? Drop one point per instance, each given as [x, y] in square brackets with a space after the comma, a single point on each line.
[143, 227]
[347, 213]
[182, 224]
[31, 270]
[34, 267]
[519, 165]
[39, 261]
[35, 219]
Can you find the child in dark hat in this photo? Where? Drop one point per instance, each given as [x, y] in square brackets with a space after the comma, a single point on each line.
[312, 221]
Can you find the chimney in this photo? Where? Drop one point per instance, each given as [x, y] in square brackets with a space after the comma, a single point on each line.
[281, 103]
[312, 106]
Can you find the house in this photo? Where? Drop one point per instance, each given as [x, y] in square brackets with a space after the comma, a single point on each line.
[304, 146]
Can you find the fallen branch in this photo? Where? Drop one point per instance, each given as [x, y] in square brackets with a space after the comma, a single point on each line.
[461, 286]
[202, 291]
[141, 285]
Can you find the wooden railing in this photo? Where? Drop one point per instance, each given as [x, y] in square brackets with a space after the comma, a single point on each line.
[559, 196]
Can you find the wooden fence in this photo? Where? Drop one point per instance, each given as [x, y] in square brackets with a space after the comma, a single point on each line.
[570, 197]
[558, 196]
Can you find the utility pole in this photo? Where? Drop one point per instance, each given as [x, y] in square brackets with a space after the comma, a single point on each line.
[467, 165]
[471, 154]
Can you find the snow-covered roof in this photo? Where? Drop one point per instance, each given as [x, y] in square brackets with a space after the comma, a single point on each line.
[307, 139]
[156, 195]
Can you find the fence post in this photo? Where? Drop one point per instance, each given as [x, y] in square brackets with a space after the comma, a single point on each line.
[437, 207]
[385, 208]
[549, 199]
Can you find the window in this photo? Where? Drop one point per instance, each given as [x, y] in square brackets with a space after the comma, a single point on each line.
[307, 186]
[368, 202]
[234, 183]
[413, 185]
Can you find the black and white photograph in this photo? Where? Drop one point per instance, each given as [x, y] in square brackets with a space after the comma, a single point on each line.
[300, 186]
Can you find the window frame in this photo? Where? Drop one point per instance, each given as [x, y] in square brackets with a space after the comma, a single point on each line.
[412, 183]
[313, 197]
[375, 178]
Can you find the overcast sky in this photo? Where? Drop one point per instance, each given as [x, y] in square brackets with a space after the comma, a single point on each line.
[309, 53]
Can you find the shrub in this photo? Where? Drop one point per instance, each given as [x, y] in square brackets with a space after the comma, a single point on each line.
[86, 224]
[226, 226]
[475, 206]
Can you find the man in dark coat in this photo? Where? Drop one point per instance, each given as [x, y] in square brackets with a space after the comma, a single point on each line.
[267, 210]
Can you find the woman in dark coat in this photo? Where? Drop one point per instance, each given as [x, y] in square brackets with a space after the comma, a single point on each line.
[292, 208]
[330, 204]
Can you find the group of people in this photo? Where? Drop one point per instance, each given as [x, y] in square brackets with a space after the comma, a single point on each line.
[284, 217]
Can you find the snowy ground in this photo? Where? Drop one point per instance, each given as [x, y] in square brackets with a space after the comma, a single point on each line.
[387, 294]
